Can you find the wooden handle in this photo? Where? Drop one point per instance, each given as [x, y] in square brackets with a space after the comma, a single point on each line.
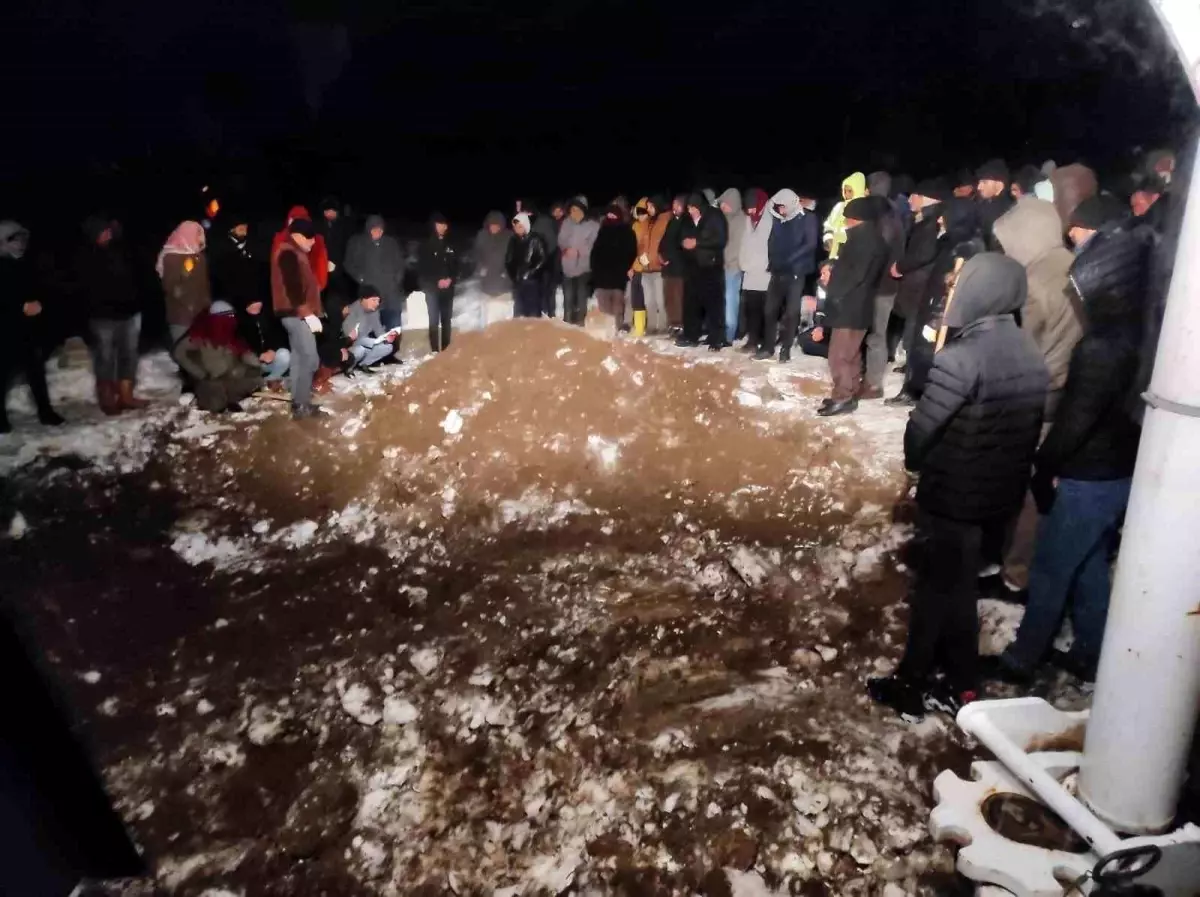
[941, 340]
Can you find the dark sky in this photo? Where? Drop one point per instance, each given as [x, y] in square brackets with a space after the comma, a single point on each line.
[463, 105]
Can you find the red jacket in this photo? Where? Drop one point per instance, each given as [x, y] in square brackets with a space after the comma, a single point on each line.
[318, 258]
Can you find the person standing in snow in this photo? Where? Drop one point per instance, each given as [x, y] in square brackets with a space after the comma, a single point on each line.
[238, 277]
[994, 197]
[334, 230]
[613, 256]
[296, 299]
[791, 257]
[490, 253]
[375, 257]
[114, 315]
[891, 228]
[547, 228]
[703, 244]
[575, 241]
[646, 288]
[558, 214]
[834, 233]
[730, 204]
[527, 259]
[671, 257]
[437, 271]
[972, 440]
[318, 257]
[850, 304]
[754, 260]
[183, 269]
[21, 334]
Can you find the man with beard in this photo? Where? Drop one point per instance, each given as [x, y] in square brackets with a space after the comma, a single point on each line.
[994, 197]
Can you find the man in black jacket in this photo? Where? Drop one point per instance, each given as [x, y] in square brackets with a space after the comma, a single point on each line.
[850, 304]
[21, 319]
[972, 440]
[238, 275]
[437, 272]
[262, 332]
[333, 227]
[671, 253]
[994, 197]
[920, 250]
[702, 239]
[525, 261]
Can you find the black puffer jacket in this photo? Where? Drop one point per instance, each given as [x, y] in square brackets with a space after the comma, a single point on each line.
[850, 302]
[710, 236]
[1114, 262]
[990, 211]
[916, 261]
[436, 261]
[973, 435]
[526, 257]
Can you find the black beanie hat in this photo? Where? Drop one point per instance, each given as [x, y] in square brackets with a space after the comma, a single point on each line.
[865, 208]
[366, 291]
[993, 170]
[698, 200]
[933, 188]
[1095, 212]
[438, 218]
[303, 227]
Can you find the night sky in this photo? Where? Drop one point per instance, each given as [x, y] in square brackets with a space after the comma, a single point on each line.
[462, 106]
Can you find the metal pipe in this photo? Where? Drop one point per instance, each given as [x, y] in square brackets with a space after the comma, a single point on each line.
[1148, 685]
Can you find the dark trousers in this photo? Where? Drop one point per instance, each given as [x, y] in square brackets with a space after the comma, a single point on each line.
[877, 341]
[440, 304]
[785, 300]
[23, 354]
[527, 299]
[673, 299]
[549, 294]
[846, 362]
[704, 305]
[810, 346]
[576, 292]
[943, 626]
[754, 307]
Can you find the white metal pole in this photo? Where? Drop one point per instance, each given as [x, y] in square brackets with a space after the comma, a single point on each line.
[1148, 686]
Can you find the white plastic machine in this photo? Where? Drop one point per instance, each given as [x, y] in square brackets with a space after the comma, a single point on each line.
[1135, 741]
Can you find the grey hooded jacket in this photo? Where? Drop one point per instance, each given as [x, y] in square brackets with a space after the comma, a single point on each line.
[377, 263]
[735, 227]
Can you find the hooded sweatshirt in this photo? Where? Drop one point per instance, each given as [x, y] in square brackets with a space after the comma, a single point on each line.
[490, 253]
[1031, 234]
[835, 225]
[1072, 185]
[794, 238]
[379, 263]
[735, 227]
[649, 233]
[754, 255]
[974, 432]
[614, 251]
[580, 236]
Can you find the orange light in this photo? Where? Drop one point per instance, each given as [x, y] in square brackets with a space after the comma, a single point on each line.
[212, 208]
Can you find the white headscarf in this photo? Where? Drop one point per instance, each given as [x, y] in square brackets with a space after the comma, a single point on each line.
[523, 218]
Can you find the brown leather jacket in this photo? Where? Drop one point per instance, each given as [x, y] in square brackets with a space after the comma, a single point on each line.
[294, 288]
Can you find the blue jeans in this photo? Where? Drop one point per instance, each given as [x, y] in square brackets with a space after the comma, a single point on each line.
[368, 351]
[279, 367]
[733, 301]
[1071, 561]
[305, 360]
[115, 347]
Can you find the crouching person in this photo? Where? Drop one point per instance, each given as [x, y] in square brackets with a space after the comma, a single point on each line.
[260, 330]
[370, 342]
[222, 365]
[971, 439]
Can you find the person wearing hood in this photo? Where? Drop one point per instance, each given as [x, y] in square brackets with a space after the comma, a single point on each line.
[972, 440]
[489, 254]
[613, 257]
[547, 228]
[261, 331]
[646, 289]
[183, 268]
[21, 333]
[792, 247]
[575, 240]
[1025, 181]
[920, 249]
[437, 272]
[671, 258]
[1071, 185]
[114, 315]
[334, 230]
[754, 260]
[834, 234]
[362, 327]
[850, 303]
[296, 301]
[223, 368]
[730, 204]
[965, 183]
[526, 262]
[1147, 203]
[994, 197]
[702, 240]
[318, 257]
[1082, 476]
[238, 275]
[375, 257]
[891, 228]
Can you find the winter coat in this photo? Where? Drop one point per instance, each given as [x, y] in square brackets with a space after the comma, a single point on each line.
[185, 287]
[1072, 185]
[547, 228]
[436, 260]
[105, 282]
[891, 228]
[318, 256]
[225, 368]
[16, 289]
[527, 257]
[973, 435]
[709, 234]
[960, 240]
[649, 233]
[670, 250]
[850, 304]
[613, 254]
[336, 236]
[990, 211]
[369, 323]
[377, 263]
[754, 257]
[794, 239]
[294, 288]
[1094, 437]
[490, 254]
[1115, 260]
[1031, 234]
[834, 233]
[261, 332]
[914, 266]
[735, 227]
[580, 236]
[237, 275]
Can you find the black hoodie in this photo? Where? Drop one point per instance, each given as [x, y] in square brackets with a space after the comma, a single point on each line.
[670, 248]
[973, 435]
[436, 261]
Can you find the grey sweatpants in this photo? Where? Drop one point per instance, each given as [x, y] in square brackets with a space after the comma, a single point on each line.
[877, 347]
[305, 361]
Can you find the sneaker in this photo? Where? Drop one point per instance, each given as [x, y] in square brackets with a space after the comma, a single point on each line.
[941, 697]
[1000, 668]
[50, 418]
[303, 412]
[716, 348]
[899, 694]
[685, 343]
[749, 349]
[785, 355]
[1070, 662]
[903, 399]
[763, 355]
[871, 393]
[834, 408]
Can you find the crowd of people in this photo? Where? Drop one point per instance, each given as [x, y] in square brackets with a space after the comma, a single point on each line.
[1027, 307]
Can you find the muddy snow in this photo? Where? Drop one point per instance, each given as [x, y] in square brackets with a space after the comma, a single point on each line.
[542, 614]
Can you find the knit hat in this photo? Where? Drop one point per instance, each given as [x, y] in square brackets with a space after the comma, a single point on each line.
[366, 291]
[1095, 212]
[879, 183]
[1028, 177]
[993, 170]
[965, 177]
[303, 227]
[579, 202]
[933, 188]
[697, 200]
[438, 218]
[865, 208]
[522, 219]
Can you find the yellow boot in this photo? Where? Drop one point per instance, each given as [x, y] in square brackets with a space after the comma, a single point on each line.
[639, 323]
